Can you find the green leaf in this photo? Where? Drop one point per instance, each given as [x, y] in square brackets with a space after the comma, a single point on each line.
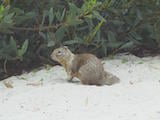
[72, 42]
[18, 11]
[88, 5]
[21, 19]
[8, 18]
[111, 36]
[23, 49]
[51, 16]
[139, 15]
[51, 41]
[58, 15]
[45, 14]
[71, 21]
[135, 35]
[42, 35]
[30, 15]
[73, 9]
[114, 44]
[1, 11]
[127, 45]
[63, 14]
[98, 16]
[24, 46]
[138, 19]
[13, 45]
[60, 33]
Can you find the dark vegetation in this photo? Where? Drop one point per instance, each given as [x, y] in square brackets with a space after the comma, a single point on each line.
[31, 29]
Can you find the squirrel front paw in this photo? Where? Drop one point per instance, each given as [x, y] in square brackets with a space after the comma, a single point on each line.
[70, 79]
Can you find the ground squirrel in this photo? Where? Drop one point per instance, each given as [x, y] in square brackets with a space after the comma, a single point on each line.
[86, 67]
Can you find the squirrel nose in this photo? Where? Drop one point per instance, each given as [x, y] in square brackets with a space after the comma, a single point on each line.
[53, 57]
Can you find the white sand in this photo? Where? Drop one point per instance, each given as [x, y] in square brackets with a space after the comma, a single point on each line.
[46, 95]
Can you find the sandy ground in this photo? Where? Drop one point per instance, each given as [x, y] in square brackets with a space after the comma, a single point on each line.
[46, 95]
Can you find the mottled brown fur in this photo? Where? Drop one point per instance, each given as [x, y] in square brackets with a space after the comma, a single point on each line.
[87, 67]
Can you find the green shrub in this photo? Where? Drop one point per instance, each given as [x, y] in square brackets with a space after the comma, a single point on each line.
[29, 30]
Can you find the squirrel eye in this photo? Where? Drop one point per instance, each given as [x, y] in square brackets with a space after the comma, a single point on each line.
[59, 53]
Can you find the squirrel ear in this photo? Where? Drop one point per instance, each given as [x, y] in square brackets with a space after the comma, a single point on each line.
[65, 47]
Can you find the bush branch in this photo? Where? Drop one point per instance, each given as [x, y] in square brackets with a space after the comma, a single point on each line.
[44, 28]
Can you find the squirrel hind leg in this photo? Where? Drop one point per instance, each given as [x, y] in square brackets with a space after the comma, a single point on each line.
[69, 77]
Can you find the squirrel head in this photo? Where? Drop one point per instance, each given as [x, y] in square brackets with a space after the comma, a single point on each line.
[61, 54]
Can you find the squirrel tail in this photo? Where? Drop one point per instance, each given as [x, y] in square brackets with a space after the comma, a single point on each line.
[110, 79]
